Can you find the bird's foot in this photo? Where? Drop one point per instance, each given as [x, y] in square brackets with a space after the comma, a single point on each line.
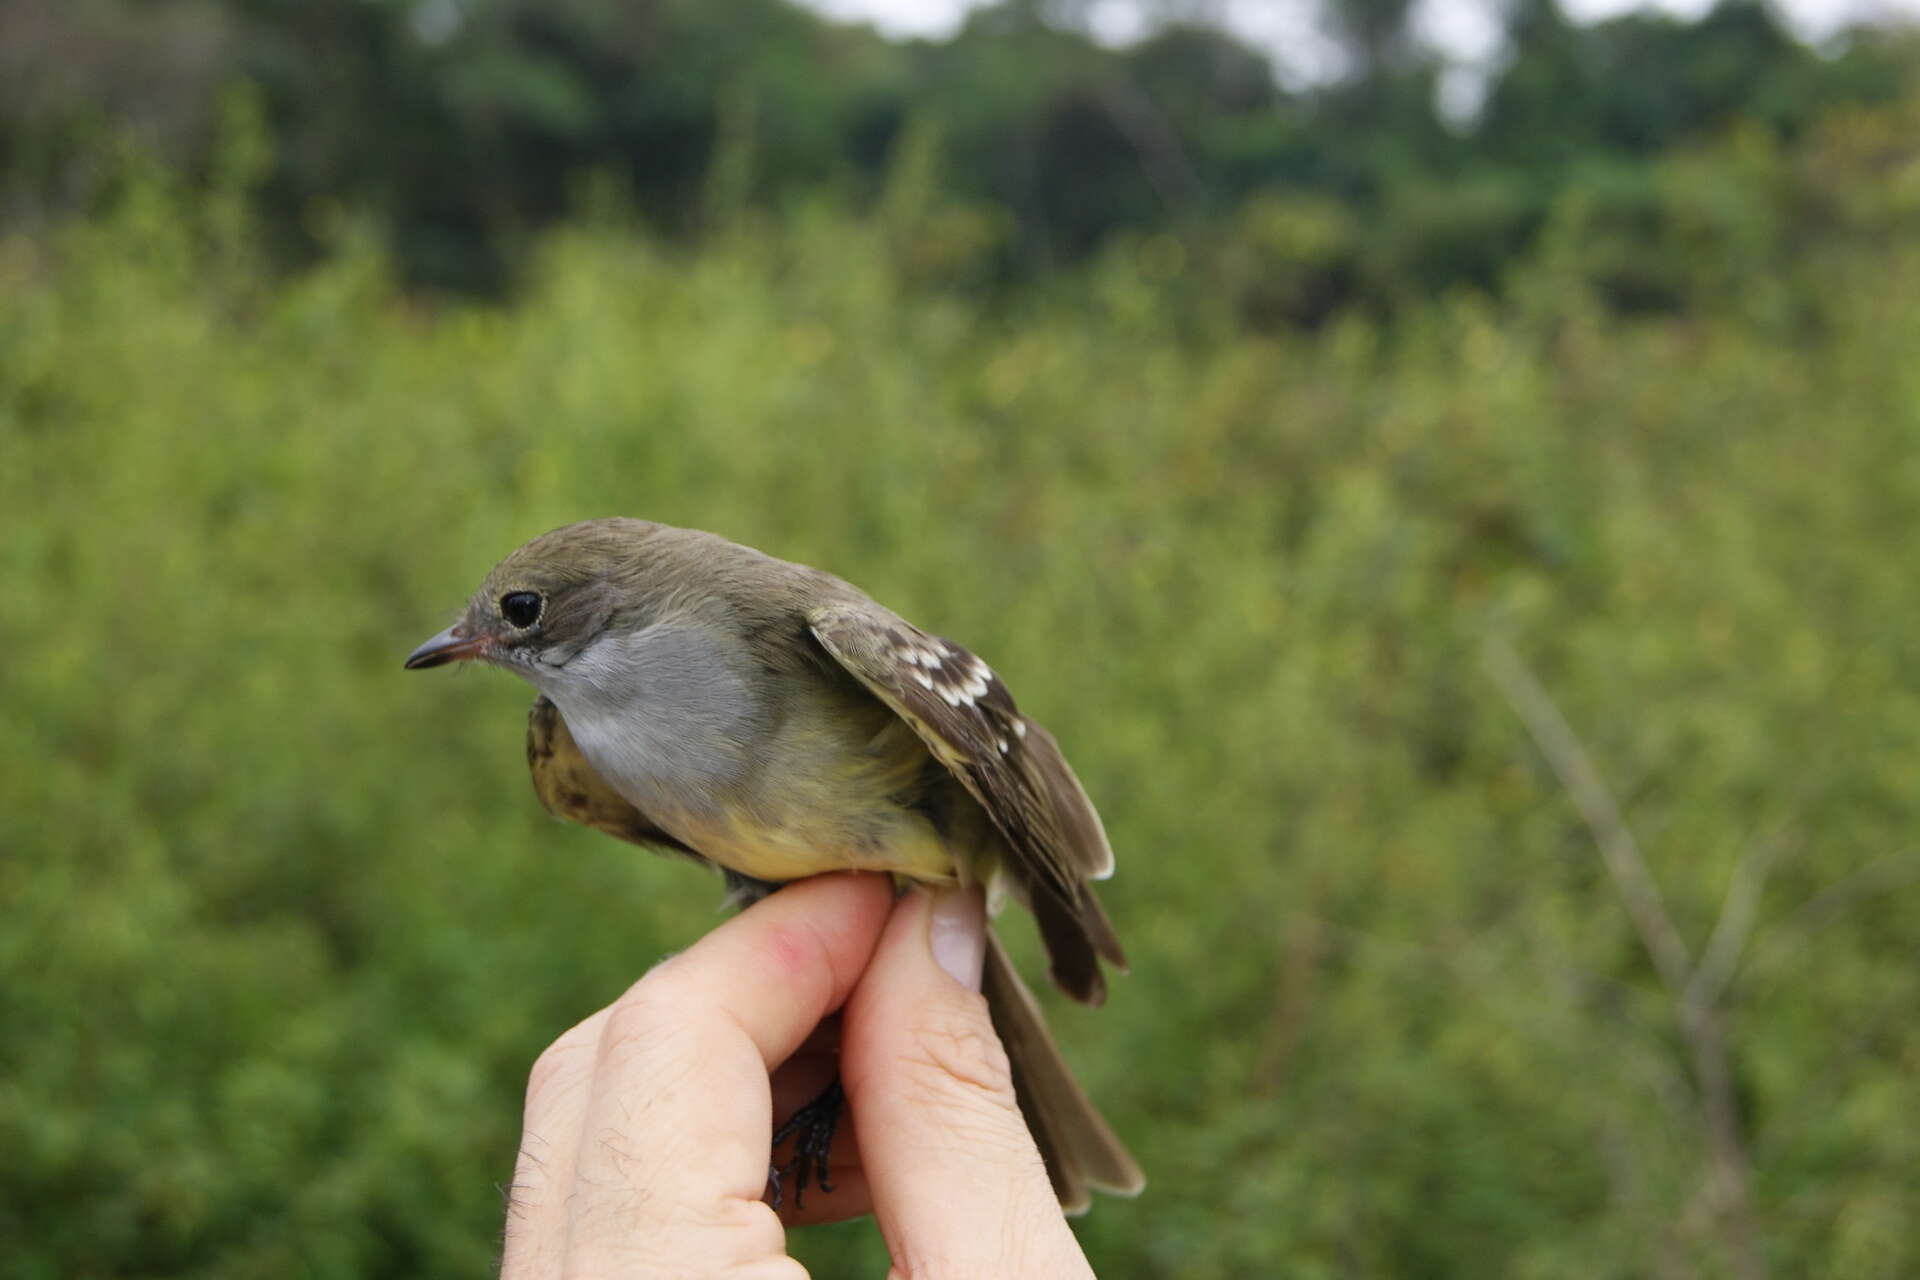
[811, 1128]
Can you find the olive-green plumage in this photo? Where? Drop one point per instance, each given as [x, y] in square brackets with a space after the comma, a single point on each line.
[701, 697]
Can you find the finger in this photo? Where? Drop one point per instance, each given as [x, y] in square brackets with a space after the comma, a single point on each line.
[672, 1156]
[958, 1186]
[777, 969]
[556, 1110]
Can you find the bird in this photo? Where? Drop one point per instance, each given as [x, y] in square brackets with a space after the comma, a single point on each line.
[698, 697]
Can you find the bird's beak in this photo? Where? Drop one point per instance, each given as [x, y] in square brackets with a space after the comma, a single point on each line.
[449, 646]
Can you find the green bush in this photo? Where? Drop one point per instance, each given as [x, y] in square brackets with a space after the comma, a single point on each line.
[286, 927]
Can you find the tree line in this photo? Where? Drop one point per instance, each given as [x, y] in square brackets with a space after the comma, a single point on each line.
[461, 128]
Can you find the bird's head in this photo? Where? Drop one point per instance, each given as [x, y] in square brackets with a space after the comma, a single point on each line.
[553, 599]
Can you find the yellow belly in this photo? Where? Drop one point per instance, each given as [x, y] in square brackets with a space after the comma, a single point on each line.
[840, 804]
[899, 841]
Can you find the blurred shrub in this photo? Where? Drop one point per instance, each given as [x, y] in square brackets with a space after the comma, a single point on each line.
[286, 930]
[1860, 173]
[1291, 262]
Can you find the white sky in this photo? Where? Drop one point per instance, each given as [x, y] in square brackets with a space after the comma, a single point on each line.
[1464, 29]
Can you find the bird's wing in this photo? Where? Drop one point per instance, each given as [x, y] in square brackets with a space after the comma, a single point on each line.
[569, 788]
[1008, 763]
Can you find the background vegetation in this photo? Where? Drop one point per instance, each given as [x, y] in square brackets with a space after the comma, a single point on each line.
[1354, 589]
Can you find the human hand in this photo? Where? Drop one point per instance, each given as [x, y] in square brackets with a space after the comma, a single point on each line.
[647, 1128]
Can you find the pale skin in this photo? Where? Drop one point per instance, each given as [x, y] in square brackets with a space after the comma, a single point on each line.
[646, 1133]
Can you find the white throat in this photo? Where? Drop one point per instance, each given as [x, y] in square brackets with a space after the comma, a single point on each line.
[664, 714]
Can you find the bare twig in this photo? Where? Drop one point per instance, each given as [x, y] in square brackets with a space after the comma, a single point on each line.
[1694, 992]
[1735, 925]
[1598, 809]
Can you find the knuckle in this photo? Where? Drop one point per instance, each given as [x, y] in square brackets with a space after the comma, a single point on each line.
[560, 1066]
[953, 1051]
[643, 1024]
[731, 1218]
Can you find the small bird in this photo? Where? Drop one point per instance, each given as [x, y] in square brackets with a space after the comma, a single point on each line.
[699, 697]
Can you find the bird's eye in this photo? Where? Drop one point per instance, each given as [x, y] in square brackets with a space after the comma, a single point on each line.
[521, 608]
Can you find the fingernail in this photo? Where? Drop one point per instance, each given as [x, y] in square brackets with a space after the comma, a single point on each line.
[957, 932]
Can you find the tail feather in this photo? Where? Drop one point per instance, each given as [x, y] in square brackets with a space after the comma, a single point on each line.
[1071, 959]
[1078, 936]
[1080, 1150]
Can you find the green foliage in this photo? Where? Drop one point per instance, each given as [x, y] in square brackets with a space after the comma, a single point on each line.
[286, 928]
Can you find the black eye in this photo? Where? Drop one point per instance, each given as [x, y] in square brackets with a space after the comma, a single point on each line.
[521, 608]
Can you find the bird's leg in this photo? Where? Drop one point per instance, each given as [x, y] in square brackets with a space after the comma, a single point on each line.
[812, 1128]
[744, 891]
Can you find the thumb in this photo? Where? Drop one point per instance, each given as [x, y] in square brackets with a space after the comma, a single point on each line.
[958, 1186]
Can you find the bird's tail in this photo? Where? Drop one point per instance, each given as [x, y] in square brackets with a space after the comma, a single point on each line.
[1081, 1152]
